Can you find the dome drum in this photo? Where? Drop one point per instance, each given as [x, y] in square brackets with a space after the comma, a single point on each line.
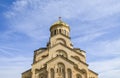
[60, 27]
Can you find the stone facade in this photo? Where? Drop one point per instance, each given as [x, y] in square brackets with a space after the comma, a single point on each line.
[59, 59]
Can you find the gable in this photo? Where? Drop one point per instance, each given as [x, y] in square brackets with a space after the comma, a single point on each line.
[60, 59]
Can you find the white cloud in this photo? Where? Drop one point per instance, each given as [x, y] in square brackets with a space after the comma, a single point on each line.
[13, 67]
[8, 51]
[111, 74]
[105, 48]
[88, 37]
[107, 68]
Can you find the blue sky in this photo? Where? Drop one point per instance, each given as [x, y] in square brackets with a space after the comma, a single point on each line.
[95, 28]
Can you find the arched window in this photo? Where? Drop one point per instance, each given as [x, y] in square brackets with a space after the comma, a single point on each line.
[60, 30]
[52, 72]
[55, 32]
[42, 75]
[78, 76]
[61, 70]
[52, 33]
[69, 73]
[85, 73]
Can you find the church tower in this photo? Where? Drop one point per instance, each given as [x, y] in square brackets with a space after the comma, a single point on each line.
[60, 34]
[59, 59]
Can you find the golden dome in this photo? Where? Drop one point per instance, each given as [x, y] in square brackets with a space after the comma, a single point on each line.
[59, 23]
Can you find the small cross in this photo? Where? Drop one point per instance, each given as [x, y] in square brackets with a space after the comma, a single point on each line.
[60, 18]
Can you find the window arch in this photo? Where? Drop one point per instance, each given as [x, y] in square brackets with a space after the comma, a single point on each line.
[60, 40]
[78, 76]
[69, 73]
[60, 31]
[61, 70]
[42, 75]
[55, 32]
[61, 53]
[84, 73]
[52, 73]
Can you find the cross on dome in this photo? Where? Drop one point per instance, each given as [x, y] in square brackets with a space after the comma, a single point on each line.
[60, 18]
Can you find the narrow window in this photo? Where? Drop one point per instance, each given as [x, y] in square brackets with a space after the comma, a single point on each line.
[57, 70]
[60, 30]
[52, 33]
[52, 73]
[55, 32]
[61, 69]
[69, 73]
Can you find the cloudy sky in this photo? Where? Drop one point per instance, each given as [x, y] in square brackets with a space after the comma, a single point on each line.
[95, 28]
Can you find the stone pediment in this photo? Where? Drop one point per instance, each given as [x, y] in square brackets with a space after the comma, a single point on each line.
[60, 59]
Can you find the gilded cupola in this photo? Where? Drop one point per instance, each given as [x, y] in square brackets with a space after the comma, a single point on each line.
[60, 27]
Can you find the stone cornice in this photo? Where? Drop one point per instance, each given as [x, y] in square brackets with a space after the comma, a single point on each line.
[93, 72]
[79, 49]
[40, 49]
[27, 71]
[80, 61]
[76, 68]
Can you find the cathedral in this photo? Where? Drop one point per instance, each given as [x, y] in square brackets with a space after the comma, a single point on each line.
[59, 59]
